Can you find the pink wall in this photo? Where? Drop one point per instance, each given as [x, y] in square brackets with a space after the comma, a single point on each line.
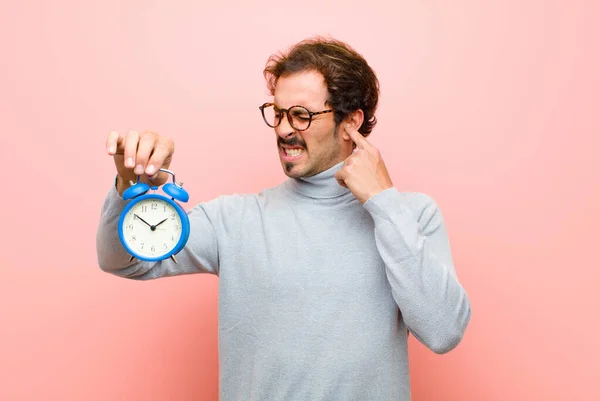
[491, 109]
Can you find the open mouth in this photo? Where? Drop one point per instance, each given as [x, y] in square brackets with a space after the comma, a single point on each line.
[291, 154]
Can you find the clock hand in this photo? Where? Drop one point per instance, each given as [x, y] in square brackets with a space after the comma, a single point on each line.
[158, 224]
[145, 222]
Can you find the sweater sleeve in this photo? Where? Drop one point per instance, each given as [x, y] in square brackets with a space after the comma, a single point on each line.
[200, 254]
[414, 246]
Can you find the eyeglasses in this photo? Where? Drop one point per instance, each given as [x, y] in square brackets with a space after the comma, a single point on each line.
[299, 117]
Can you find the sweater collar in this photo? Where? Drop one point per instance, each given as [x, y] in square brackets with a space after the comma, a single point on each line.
[320, 186]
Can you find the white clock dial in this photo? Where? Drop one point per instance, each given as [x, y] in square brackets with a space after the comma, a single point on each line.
[152, 228]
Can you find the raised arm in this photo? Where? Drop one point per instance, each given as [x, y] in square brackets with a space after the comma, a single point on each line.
[413, 243]
[412, 240]
[144, 154]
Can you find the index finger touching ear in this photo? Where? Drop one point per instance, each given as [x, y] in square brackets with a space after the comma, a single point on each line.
[356, 136]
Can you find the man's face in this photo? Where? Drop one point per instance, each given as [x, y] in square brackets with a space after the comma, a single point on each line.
[309, 152]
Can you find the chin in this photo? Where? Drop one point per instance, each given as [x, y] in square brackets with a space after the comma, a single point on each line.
[293, 170]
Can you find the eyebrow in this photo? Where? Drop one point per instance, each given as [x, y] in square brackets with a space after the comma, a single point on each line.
[296, 104]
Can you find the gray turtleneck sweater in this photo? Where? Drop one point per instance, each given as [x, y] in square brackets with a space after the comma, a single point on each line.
[317, 292]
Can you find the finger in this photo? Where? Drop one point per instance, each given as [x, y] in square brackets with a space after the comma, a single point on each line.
[340, 176]
[111, 142]
[145, 147]
[131, 144]
[342, 183]
[350, 160]
[162, 151]
[357, 137]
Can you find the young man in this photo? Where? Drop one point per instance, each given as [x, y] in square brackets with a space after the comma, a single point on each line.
[322, 277]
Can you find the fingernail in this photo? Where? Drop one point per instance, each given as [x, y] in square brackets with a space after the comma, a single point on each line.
[139, 169]
[150, 169]
[129, 162]
[111, 149]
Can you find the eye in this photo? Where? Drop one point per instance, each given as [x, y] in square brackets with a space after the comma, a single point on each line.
[300, 115]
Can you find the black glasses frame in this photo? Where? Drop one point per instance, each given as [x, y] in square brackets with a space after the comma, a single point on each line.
[289, 117]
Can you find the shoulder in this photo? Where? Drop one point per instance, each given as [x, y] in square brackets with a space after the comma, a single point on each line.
[421, 206]
[235, 204]
[419, 202]
[425, 209]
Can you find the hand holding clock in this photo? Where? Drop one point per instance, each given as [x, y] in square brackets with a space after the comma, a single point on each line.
[140, 154]
[142, 162]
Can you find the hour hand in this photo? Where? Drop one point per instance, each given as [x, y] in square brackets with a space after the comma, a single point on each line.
[158, 224]
[145, 222]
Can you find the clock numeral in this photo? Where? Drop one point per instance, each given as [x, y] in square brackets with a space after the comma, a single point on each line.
[166, 246]
[154, 206]
[130, 227]
[141, 246]
[172, 216]
[133, 238]
[153, 248]
[178, 228]
[144, 208]
[172, 238]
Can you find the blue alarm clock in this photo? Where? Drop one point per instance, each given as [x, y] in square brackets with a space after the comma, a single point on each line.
[152, 226]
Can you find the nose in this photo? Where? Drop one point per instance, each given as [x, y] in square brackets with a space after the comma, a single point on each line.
[284, 129]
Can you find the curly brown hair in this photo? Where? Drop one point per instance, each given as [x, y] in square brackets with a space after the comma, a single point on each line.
[351, 82]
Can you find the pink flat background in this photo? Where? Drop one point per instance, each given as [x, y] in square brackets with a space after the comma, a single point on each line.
[490, 107]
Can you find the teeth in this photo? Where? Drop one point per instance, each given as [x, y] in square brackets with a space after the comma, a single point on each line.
[293, 152]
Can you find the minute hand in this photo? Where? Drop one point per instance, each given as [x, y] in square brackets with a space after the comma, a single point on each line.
[145, 222]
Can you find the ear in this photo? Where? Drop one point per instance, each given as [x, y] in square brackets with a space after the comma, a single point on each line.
[355, 119]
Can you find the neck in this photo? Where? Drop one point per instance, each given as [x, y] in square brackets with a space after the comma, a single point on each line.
[319, 186]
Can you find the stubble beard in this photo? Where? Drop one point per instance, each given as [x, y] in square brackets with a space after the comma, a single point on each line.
[311, 170]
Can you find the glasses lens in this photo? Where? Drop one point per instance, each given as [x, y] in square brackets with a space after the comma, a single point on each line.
[300, 118]
[271, 116]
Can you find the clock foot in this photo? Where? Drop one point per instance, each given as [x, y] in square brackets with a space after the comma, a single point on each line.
[131, 258]
[173, 257]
